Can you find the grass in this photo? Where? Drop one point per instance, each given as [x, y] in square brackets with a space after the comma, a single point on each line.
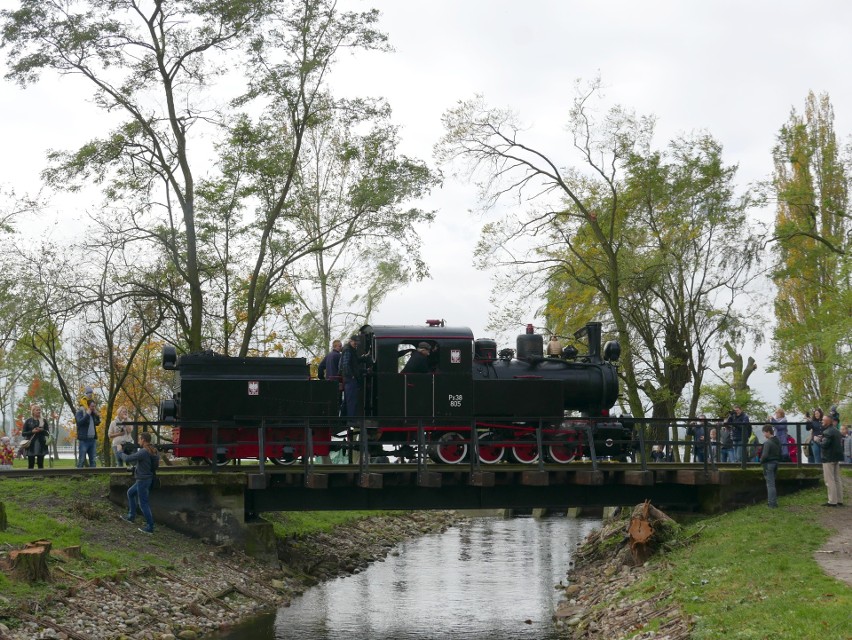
[299, 524]
[75, 512]
[750, 574]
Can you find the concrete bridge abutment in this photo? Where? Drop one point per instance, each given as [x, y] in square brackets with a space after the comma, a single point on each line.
[206, 506]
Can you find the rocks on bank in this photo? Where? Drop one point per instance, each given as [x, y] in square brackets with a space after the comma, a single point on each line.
[205, 589]
[606, 565]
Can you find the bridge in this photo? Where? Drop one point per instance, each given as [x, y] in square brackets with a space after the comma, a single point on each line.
[225, 506]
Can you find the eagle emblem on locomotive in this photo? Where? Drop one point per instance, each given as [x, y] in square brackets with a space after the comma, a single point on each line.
[464, 399]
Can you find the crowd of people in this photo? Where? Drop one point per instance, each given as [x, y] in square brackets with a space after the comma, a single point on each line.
[730, 439]
[827, 443]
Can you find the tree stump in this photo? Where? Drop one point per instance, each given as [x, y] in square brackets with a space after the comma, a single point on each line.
[30, 564]
[68, 553]
[4, 523]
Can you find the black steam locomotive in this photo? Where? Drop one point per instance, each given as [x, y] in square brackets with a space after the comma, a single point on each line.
[514, 405]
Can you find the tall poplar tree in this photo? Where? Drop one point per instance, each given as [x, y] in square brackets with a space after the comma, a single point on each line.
[813, 303]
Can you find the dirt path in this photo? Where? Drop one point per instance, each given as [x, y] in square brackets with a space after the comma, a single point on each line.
[835, 556]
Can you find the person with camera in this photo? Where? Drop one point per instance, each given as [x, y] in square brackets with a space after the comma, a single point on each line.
[147, 460]
[119, 434]
[87, 435]
[740, 431]
[815, 426]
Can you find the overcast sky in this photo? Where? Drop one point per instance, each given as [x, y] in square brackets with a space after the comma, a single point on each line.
[732, 68]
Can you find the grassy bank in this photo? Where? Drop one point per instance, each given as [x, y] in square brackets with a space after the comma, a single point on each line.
[752, 574]
[76, 512]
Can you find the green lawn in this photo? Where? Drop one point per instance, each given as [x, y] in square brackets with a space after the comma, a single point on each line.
[751, 574]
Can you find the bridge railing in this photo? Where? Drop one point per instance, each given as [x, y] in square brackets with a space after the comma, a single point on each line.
[531, 440]
[679, 445]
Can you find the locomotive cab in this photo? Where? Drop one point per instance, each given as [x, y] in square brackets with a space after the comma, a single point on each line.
[444, 391]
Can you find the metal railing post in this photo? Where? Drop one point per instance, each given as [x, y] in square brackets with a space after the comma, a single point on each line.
[261, 443]
[421, 447]
[540, 445]
[590, 434]
[215, 453]
[309, 448]
[474, 446]
[364, 462]
[642, 456]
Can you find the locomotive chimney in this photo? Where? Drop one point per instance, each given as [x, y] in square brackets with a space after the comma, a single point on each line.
[592, 331]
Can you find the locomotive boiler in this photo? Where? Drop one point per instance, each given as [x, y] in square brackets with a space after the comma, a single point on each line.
[510, 404]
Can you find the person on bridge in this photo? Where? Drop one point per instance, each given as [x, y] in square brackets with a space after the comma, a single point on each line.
[740, 431]
[147, 460]
[769, 457]
[779, 423]
[350, 371]
[329, 367]
[815, 426]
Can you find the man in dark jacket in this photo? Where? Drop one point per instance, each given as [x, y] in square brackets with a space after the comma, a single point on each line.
[740, 431]
[418, 362]
[769, 457]
[350, 371]
[329, 367]
[832, 456]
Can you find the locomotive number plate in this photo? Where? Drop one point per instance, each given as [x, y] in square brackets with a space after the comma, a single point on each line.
[455, 400]
[455, 356]
[253, 388]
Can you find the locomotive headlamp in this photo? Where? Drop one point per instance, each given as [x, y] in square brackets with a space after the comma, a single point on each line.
[169, 357]
[612, 351]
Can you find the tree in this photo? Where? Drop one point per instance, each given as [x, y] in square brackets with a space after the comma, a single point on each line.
[155, 64]
[813, 303]
[652, 241]
[352, 188]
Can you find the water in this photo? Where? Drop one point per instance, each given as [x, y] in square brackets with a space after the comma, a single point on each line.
[490, 578]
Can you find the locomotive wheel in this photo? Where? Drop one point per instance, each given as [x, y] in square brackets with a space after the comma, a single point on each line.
[449, 449]
[490, 453]
[525, 451]
[566, 450]
[221, 460]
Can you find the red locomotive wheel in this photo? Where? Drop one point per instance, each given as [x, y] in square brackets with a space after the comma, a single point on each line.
[526, 451]
[490, 453]
[565, 451]
[450, 448]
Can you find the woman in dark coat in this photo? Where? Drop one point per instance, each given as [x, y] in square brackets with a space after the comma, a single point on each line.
[35, 430]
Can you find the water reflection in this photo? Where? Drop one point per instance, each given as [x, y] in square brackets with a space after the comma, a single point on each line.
[489, 578]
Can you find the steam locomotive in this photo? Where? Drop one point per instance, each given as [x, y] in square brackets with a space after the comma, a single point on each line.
[512, 404]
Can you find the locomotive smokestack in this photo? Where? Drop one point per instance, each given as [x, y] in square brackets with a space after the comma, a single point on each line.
[592, 331]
